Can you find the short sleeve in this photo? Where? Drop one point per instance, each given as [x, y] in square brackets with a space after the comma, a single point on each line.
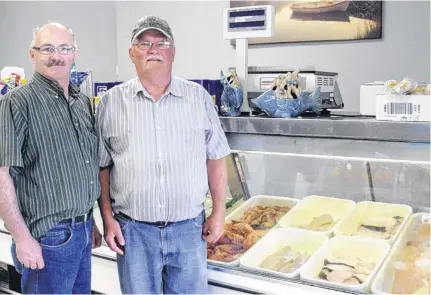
[13, 132]
[105, 158]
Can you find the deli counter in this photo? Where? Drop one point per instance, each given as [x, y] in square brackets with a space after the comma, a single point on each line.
[358, 193]
[316, 206]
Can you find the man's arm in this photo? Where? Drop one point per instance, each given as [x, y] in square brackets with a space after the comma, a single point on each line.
[217, 149]
[9, 210]
[112, 228]
[104, 200]
[217, 177]
[28, 250]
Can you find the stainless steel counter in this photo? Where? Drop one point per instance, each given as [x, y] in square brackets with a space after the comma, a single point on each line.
[332, 127]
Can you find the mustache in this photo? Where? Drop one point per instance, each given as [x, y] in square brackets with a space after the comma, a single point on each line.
[157, 57]
[55, 62]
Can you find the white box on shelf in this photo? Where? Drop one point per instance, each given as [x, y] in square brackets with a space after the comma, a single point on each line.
[413, 108]
[367, 97]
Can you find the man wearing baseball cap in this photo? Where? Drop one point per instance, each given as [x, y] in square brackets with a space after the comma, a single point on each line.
[161, 149]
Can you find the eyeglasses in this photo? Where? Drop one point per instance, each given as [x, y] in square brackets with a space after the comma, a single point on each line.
[145, 45]
[62, 49]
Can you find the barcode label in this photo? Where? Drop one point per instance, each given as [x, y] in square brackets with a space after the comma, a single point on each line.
[399, 108]
[426, 218]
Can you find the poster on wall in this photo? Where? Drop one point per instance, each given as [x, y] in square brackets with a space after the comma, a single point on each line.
[315, 21]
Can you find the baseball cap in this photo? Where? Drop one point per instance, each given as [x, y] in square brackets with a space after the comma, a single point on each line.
[151, 23]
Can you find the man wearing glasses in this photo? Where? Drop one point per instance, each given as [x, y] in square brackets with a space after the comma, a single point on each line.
[49, 170]
[161, 148]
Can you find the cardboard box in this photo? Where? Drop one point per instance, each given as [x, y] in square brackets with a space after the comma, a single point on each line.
[413, 108]
[367, 98]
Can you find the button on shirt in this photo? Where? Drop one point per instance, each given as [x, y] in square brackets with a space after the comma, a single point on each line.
[51, 146]
[158, 150]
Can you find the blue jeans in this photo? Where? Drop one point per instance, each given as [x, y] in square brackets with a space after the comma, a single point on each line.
[66, 251]
[169, 260]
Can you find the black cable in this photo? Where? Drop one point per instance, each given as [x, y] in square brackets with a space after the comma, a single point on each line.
[370, 182]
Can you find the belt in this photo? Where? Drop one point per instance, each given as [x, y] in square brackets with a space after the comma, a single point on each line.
[159, 224]
[81, 218]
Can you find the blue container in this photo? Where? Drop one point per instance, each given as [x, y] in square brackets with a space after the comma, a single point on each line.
[213, 87]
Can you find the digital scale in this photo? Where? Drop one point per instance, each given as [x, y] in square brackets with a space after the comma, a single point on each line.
[241, 23]
[260, 79]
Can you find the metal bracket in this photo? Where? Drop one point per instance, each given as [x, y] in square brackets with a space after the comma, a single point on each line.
[240, 172]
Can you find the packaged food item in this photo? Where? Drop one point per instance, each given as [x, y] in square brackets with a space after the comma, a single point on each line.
[10, 82]
[3, 88]
[407, 86]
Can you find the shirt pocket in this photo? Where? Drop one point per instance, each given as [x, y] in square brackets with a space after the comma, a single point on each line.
[190, 139]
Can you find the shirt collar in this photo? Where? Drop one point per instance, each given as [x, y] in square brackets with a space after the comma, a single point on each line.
[174, 88]
[52, 86]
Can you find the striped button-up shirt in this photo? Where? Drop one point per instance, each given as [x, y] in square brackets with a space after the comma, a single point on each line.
[159, 150]
[51, 146]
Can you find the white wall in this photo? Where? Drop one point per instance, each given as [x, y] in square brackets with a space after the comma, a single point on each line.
[2, 33]
[103, 31]
[197, 27]
[89, 20]
[202, 52]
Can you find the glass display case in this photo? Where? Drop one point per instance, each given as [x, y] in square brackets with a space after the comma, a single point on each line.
[352, 187]
[318, 205]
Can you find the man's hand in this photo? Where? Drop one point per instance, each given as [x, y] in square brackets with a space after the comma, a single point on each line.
[113, 233]
[96, 237]
[29, 253]
[213, 227]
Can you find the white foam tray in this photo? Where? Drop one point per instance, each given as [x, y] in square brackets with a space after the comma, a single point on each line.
[314, 206]
[299, 240]
[385, 277]
[254, 201]
[366, 249]
[369, 209]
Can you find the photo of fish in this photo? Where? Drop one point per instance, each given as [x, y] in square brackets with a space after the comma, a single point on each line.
[321, 20]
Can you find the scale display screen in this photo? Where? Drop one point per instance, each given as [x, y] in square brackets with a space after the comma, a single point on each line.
[247, 20]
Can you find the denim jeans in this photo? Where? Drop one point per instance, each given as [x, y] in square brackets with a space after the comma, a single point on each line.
[169, 260]
[66, 251]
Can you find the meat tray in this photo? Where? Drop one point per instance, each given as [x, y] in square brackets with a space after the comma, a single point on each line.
[254, 201]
